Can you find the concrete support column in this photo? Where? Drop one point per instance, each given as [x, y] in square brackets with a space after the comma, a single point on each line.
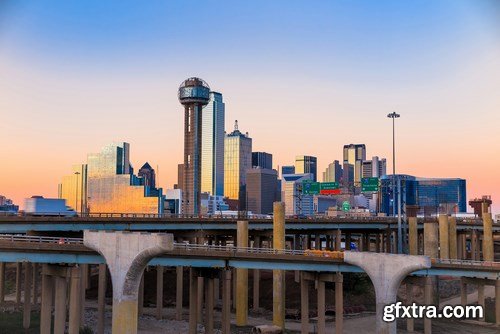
[101, 298]
[209, 300]
[47, 302]
[304, 304]
[388, 243]
[75, 303]
[35, 283]
[431, 239]
[474, 252]
[348, 241]
[386, 272]
[2, 282]
[178, 293]
[256, 278]
[321, 306]
[463, 292]
[159, 292]
[140, 297]
[193, 300]
[413, 235]
[452, 230]
[480, 297]
[339, 303]
[317, 242]
[338, 240]
[28, 275]
[127, 254]
[279, 275]
[242, 277]
[61, 294]
[199, 303]
[488, 249]
[444, 234]
[497, 302]
[427, 301]
[226, 302]
[410, 322]
[19, 270]
[85, 282]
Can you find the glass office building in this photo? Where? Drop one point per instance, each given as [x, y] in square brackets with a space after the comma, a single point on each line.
[431, 195]
[355, 154]
[237, 160]
[73, 188]
[212, 146]
[262, 160]
[112, 187]
[306, 164]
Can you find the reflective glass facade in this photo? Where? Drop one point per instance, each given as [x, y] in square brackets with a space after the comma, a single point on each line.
[237, 160]
[306, 164]
[111, 187]
[73, 188]
[212, 146]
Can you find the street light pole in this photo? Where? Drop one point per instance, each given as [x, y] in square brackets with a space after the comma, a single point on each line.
[394, 115]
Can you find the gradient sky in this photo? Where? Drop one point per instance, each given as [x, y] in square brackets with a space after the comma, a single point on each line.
[302, 77]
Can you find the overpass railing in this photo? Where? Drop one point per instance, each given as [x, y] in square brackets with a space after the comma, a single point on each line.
[40, 239]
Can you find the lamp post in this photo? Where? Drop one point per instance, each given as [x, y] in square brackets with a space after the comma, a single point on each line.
[76, 192]
[394, 115]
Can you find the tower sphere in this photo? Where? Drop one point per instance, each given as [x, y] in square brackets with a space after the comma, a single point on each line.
[194, 90]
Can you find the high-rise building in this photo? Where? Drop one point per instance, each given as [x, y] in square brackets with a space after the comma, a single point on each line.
[180, 177]
[262, 160]
[7, 206]
[296, 203]
[287, 170]
[374, 168]
[237, 160]
[261, 190]
[347, 175]
[112, 187]
[430, 195]
[212, 146]
[333, 172]
[355, 154]
[73, 188]
[148, 175]
[194, 93]
[306, 164]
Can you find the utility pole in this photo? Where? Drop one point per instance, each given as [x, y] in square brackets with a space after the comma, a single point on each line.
[394, 115]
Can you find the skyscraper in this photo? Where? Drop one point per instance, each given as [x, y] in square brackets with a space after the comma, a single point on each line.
[112, 187]
[237, 160]
[374, 168]
[355, 154]
[306, 164]
[261, 190]
[180, 176]
[194, 93]
[212, 146]
[147, 173]
[333, 172]
[73, 188]
[287, 170]
[262, 160]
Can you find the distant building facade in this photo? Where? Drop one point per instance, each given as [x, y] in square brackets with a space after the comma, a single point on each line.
[306, 164]
[212, 145]
[262, 190]
[375, 167]
[296, 203]
[73, 188]
[287, 170]
[237, 160]
[333, 172]
[148, 175]
[355, 154]
[262, 160]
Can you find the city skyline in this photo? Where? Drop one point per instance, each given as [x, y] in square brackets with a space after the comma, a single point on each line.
[62, 104]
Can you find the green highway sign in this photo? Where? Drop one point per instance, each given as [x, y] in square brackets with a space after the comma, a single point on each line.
[369, 184]
[329, 188]
[310, 188]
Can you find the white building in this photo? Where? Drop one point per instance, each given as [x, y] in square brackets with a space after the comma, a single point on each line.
[296, 203]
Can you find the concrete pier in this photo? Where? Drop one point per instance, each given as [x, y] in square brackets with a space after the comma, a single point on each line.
[47, 301]
[2, 282]
[127, 254]
[339, 303]
[28, 275]
[412, 235]
[488, 249]
[209, 300]
[321, 306]
[241, 277]
[159, 292]
[444, 245]
[427, 301]
[304, 304]
[193, 300]
[61, 295]
[178, 292]
[279, 275]
[75, 303]
[431, 239]
[226, 301]
[19, 270]
[386, 272]
[452, 230]
[497, 302]
[101, 298]
[256, 278]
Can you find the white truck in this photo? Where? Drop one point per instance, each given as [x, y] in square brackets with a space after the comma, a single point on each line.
[39, 206]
